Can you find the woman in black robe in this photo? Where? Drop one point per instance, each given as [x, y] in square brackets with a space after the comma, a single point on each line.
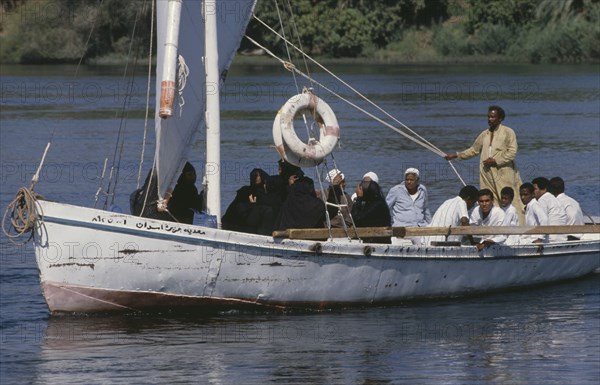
[253, 208]
[301, 209]
[278, 185]
[370, 209]
[186, 200]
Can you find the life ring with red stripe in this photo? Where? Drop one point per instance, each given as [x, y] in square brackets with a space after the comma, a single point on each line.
[287, 143]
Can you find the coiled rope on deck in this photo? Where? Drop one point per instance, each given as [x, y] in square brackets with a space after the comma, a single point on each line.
[24, 213]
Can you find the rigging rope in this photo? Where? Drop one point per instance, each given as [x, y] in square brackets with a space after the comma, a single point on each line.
[287, 49]
[417, 138]
[24, 209]
[293, 22]
[24, 214]
[116, 163]
[147, 97]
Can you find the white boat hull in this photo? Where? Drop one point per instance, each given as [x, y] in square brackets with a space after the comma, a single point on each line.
[93, 260]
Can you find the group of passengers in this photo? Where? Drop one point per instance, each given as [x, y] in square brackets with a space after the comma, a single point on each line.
[289, 200]
[545, 204]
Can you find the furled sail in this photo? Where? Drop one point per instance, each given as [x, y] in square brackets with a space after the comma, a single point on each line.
[175, 132]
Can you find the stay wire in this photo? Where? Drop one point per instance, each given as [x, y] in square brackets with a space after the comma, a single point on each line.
[295, 28]
[421, 140]
[147, 97]
[286, 43]
[357, 107]
[120, 145]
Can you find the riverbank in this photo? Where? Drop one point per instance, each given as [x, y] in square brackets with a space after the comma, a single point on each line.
[478, 32]
[383, 57]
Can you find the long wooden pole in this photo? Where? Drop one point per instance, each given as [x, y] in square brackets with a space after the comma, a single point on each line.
[401, 232]
[213, 118]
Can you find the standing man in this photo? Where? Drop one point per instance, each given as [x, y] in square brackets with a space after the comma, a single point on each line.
[497, 147]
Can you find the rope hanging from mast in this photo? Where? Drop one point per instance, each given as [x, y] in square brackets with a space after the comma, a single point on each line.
[411, 134]
[148, 91]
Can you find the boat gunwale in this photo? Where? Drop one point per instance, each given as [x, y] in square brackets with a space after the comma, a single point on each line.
[350, 248]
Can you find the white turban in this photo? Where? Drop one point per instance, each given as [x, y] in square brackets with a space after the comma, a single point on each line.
[372, 175]
[412, 170]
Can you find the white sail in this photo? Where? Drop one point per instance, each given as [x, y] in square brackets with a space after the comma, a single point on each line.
[174, 134]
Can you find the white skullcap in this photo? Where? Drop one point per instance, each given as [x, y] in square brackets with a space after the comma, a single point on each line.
[332, 174]
[372, 175]
[412, 170]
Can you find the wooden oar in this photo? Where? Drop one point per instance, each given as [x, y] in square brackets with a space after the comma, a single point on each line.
[401, 232]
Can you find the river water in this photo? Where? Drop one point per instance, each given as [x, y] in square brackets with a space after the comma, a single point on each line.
[544, 335]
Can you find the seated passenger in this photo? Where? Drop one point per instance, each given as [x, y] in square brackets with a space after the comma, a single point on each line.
[572, 207]
[253, 208]
[487, 215]
[408, 201]
[370, 209]
[279, 184]
[181, 204]
[369, 176]
[337, 196]
[507, 194]
[453, 212]
[302, 208]
[185, 199]
[143, 201]
[535, 215]
[554, 209]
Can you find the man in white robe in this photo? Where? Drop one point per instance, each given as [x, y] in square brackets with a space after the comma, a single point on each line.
[555, 210]
[497, 147]
[453, 212]
[487, 215]
[507, 196]
[535, 215]
[572, 207]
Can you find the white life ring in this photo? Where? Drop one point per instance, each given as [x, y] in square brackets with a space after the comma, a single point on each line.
[287, 143]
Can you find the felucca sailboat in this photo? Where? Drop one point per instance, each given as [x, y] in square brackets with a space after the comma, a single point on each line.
[93, 260]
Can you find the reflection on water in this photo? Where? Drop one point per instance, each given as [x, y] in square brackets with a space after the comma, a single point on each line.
[520, 337]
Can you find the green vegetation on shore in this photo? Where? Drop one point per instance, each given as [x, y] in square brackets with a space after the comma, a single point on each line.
[394, 31]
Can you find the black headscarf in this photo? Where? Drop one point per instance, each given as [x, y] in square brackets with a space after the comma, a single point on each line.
[258, 217]
[302, 208]
[185, 199]
[278, 184]
[371, 210]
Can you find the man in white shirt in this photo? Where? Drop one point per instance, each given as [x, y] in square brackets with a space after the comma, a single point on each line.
[507, 195]
[572, 208]
[487, 215]
[535, 214]
[554, 209]
[453, 212]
